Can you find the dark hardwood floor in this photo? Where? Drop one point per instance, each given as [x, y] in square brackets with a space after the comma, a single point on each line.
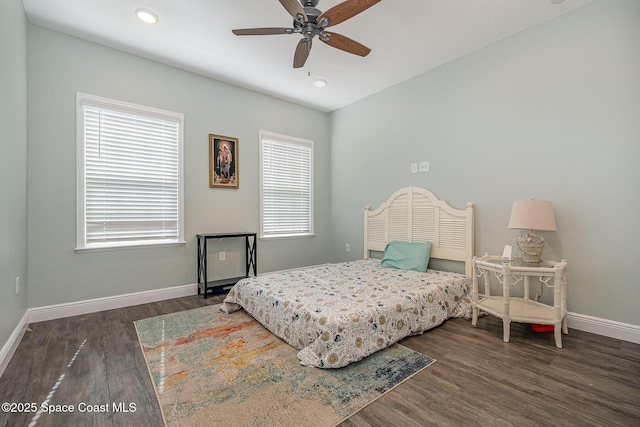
[95, 360]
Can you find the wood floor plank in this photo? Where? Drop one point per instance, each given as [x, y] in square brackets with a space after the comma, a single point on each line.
[477, 378]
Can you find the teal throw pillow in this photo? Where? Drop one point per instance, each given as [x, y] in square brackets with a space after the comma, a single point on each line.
[407, 256]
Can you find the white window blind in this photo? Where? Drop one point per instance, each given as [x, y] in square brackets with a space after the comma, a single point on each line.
[129, 175]
[286, 186]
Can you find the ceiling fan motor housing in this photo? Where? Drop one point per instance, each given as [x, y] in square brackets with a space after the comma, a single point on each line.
[312, 13]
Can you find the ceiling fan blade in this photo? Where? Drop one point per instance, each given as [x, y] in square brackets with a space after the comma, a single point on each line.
[345, 10]
[295, 9]
[345, 43]
[302, 53]
[261, 31]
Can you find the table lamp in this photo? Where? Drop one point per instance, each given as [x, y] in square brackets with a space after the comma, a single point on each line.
[532, 215]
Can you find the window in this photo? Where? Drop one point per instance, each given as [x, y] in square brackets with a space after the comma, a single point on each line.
[286, 186]
[129, 174]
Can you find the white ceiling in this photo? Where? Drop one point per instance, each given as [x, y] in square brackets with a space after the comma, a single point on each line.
[407, 38]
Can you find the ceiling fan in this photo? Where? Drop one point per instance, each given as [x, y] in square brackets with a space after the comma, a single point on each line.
[310, 22]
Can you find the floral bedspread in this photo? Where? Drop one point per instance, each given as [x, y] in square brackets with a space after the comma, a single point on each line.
[336, 314]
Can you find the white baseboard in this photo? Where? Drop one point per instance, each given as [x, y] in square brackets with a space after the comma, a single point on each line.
[58, 311]
[608, 328]
[6, 353]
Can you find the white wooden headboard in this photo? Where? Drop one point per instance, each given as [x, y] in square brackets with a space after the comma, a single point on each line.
[414, 214]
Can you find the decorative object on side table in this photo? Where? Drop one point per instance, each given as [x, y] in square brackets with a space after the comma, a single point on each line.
[532, 215]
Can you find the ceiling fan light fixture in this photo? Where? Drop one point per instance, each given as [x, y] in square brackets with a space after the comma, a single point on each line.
[320, 83]
[146, 16]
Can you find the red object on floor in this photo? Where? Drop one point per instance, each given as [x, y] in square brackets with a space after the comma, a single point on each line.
[542, 328]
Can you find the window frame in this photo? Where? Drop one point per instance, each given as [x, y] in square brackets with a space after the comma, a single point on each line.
[294, 141]
[82, 100]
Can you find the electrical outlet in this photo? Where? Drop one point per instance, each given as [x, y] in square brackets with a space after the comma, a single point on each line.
[347, 248]
[17, 285]
[414, 168]
[223, 255]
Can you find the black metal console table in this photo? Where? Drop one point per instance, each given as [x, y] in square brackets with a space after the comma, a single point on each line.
[251, 260]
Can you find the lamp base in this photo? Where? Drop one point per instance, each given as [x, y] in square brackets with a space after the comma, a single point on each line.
[531, 245]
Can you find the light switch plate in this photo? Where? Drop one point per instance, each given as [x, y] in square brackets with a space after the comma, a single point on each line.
[424, 166]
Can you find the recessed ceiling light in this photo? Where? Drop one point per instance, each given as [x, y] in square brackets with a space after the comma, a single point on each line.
[320, 83]
[146, 16]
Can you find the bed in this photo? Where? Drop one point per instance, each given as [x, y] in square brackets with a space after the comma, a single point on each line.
[336, 314]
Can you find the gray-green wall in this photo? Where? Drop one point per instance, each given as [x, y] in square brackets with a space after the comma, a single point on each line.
[551, 113]
[60, 66]
[13, 165]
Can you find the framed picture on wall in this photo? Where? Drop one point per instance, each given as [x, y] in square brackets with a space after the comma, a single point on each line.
[223, 162]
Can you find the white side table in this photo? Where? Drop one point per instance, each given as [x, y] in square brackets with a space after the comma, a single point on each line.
[524, 309]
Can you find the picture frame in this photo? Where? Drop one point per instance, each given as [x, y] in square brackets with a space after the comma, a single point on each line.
[223, 162]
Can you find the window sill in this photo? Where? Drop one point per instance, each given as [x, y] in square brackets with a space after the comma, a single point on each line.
[130, 246]
[286, 236]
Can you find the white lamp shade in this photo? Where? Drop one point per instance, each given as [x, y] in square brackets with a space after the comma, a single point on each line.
[532, 215]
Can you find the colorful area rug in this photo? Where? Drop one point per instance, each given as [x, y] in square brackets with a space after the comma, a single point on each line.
[211, 368]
